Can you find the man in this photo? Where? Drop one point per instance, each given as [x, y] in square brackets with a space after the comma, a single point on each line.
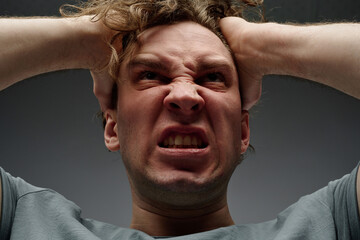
[181, 149]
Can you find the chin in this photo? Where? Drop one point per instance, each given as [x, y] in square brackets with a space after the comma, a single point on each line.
[183, 181]
[182, 189]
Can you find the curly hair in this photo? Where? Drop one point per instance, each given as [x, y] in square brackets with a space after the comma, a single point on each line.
[128, 18]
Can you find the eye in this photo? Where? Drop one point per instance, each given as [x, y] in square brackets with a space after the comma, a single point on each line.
[212, 77]
[149, 76]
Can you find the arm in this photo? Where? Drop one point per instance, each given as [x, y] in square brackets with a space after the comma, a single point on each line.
[327, 54]
[33, 46]
[29, 47]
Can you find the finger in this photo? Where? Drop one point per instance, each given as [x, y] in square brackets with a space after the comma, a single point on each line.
[231, 27]
[103, 85]
[250, 89]
[235, 32]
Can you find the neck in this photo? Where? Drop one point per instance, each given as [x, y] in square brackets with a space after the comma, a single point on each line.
[157, 221]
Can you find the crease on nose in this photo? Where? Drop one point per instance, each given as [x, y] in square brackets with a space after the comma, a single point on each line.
[184, 98]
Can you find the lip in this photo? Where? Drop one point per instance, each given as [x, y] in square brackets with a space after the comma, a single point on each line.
[184, 159]
[184, 130]
[188, 159]
[184, 152]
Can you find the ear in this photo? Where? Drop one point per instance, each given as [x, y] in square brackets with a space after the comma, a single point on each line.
[111, 131]
[245, 131]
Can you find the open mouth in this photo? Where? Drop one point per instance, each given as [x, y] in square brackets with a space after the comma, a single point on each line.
[178, 140]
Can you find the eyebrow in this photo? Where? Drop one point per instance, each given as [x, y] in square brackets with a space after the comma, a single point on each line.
[148, 62]
[209, 64]
[203, 65]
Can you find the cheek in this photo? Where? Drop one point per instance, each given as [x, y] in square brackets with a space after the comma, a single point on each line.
[224, 108]
[137, 114]
[224, 111]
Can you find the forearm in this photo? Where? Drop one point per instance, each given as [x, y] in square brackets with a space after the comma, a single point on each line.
[328, 54]
[33, 46]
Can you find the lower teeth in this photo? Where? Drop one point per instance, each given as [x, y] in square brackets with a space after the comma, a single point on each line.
[183, 146]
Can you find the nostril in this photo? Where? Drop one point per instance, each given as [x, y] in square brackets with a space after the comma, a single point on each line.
[195, 107]
[174, 105]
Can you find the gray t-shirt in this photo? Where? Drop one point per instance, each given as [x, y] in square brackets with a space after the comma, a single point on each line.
[34, 213]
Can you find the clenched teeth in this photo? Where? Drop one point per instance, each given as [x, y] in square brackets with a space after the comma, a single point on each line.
[182, 141]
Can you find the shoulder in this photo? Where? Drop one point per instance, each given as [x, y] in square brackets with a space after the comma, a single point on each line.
[25, 205]
[329, 213]
[30, 212]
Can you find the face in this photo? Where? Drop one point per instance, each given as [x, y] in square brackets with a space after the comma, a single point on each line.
[178, 124]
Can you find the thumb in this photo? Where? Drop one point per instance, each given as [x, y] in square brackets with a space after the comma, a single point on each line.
[231, 27]
[103, 87]
[236, 32]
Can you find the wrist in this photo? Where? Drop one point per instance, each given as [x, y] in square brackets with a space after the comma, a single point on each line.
[277, 49]
[88, 43]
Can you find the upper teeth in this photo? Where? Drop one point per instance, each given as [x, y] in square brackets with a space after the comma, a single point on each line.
[179, 141]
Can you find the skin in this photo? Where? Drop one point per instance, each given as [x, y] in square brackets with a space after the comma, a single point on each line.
[259, 49]
[72, 42]
[311, 52]
[180, 77]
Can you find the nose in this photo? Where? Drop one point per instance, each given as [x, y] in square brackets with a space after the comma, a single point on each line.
[183, 98]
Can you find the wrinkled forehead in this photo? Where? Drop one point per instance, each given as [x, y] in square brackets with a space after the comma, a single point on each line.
[187, 39]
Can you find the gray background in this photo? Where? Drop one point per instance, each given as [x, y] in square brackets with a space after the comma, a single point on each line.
[305, 135]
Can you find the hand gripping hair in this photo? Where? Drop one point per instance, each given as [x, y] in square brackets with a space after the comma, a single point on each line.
[128, 18]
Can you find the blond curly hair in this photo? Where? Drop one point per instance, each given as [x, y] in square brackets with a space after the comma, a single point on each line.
[128, 18]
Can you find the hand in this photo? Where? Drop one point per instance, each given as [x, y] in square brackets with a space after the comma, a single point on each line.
[102, 87]
[100, 54]
[242, 37]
